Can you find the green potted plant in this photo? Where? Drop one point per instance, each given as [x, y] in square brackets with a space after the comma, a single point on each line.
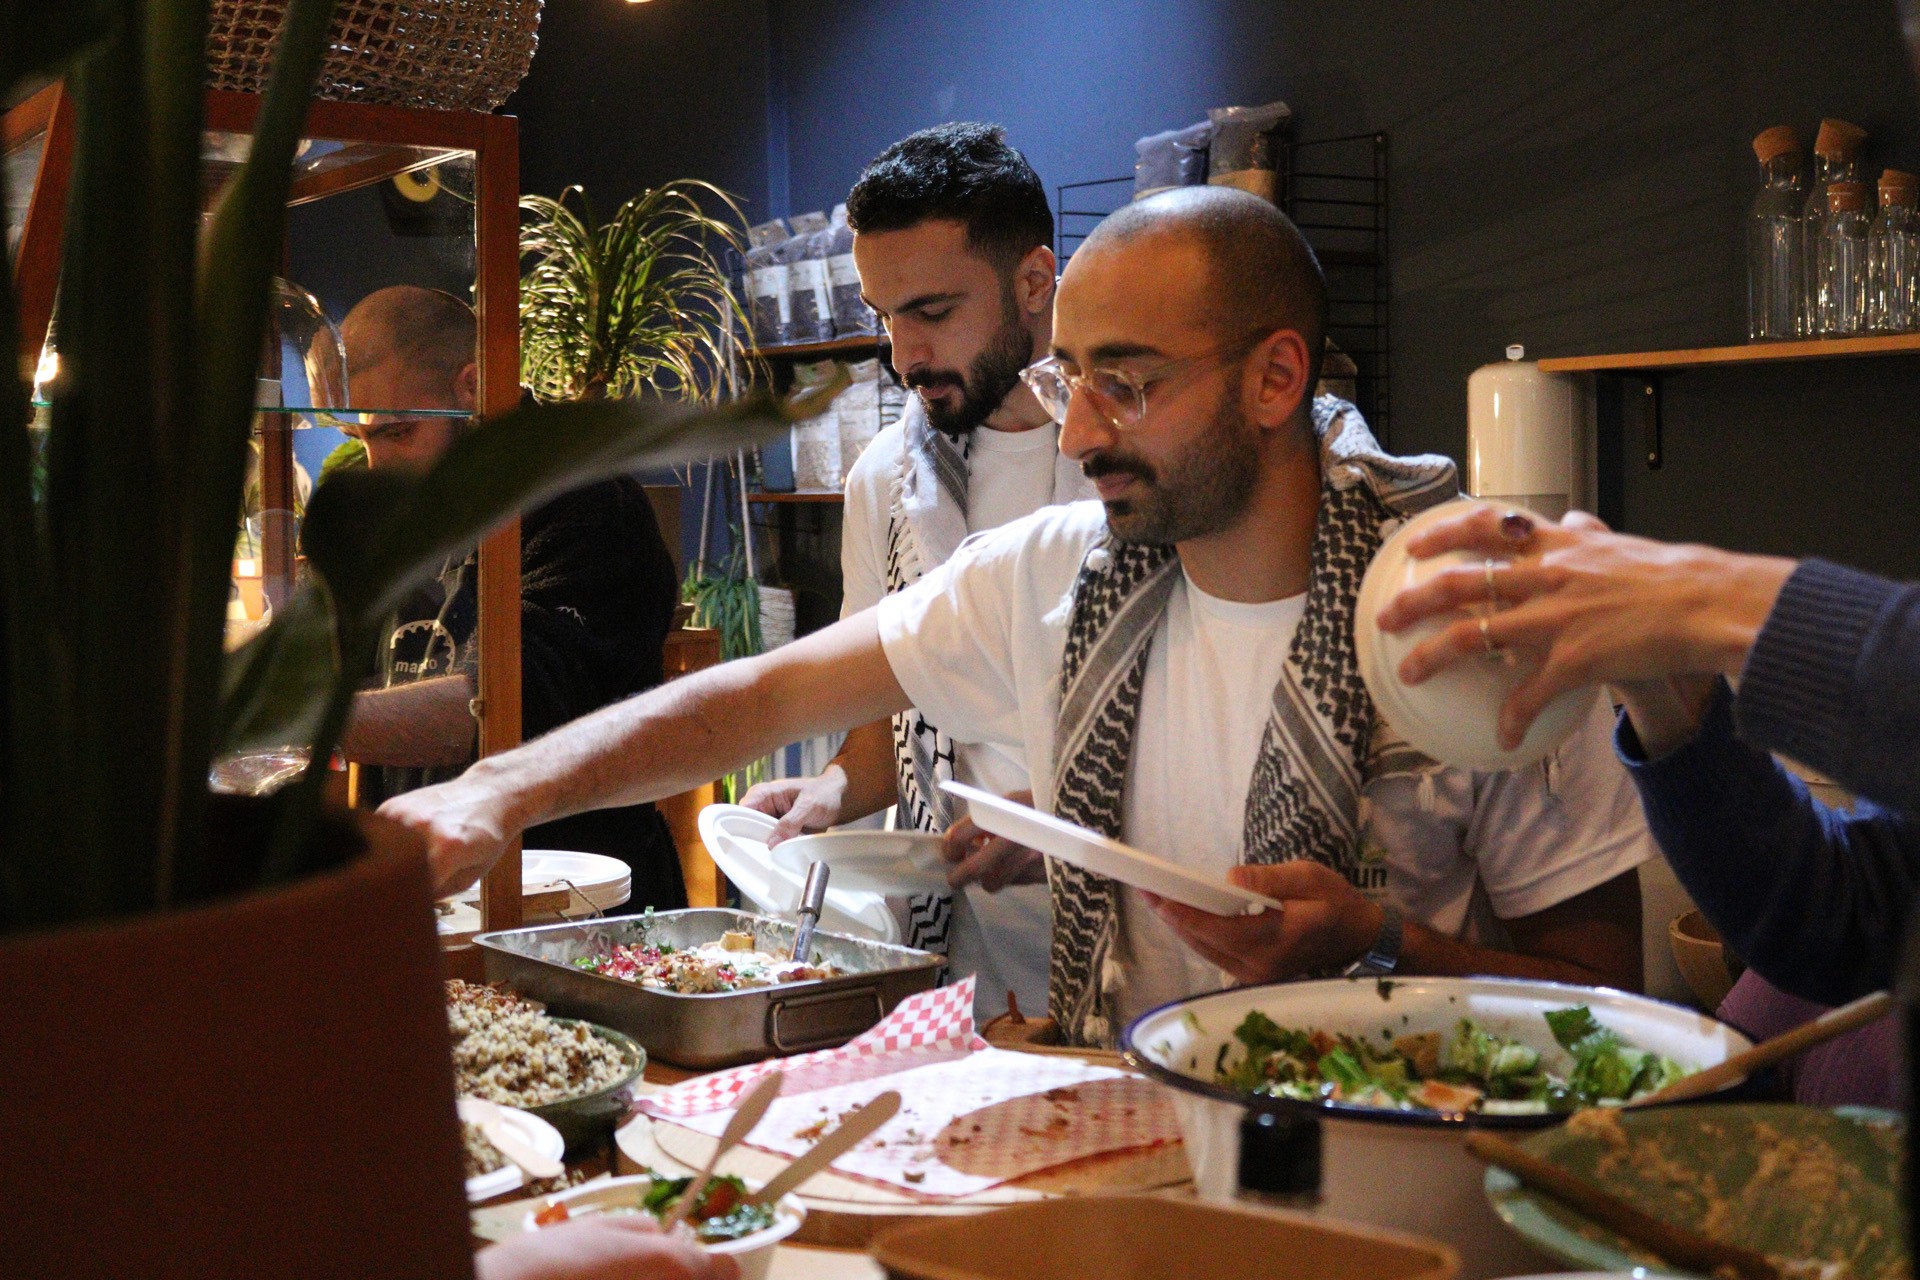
[226, 1051]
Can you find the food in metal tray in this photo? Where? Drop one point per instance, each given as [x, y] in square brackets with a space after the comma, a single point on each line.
[728, 964]
[1470, 1070]
[723, 1213]
[507, 1050]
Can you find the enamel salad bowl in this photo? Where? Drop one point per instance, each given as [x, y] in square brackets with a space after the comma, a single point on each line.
[1405, 1169]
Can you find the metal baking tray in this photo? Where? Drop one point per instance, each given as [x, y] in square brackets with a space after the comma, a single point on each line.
[722, 1028]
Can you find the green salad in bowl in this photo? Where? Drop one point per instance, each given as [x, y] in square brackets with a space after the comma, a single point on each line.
[1467, 1069]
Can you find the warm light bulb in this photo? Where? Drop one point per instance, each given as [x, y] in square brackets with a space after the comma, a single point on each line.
[49, 368]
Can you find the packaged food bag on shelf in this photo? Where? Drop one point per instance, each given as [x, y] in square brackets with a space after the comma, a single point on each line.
[816, 442]
[1176, 158]
[809, 305]
[767, 302]
[859, 409]
[1245, 151]
[852, 317]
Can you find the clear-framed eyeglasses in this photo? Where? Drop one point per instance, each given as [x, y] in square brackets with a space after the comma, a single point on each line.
[1119, 395]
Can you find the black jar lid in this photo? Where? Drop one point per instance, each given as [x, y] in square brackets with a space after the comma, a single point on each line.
[1279, 1153]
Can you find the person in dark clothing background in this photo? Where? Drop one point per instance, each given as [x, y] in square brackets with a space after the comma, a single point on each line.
[597, 583]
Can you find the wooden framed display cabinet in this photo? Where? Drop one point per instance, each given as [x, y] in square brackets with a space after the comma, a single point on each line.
[347, 147]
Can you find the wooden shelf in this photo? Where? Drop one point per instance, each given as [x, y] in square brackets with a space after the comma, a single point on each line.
[1746, 353]
[803, 495]
[834, 347]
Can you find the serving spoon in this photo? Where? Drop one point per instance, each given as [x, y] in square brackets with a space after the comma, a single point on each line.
[745, 1116]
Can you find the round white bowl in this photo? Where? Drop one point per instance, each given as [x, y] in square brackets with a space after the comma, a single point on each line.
[1406, 1170]
[752, 1254]
[1453, 716]
[533, 1131]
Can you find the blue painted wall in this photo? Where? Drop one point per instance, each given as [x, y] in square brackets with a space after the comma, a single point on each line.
[1572, 176]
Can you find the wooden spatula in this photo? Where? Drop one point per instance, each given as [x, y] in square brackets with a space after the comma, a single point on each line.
[1837, 1022]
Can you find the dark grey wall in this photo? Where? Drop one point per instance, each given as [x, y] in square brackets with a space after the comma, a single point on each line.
[1571, 176]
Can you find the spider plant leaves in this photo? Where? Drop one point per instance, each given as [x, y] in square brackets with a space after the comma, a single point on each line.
[640, 301]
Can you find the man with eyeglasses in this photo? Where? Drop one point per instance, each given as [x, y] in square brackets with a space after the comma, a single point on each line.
[598, 590]
[953, 241]
[1176, 665]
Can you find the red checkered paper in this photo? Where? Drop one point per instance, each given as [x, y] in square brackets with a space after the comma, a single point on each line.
[932, 1026]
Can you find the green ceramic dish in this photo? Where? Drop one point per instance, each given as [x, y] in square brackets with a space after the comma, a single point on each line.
[589, 1117]
[1793, 1182]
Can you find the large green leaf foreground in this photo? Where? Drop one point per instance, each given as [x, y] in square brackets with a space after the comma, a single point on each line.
[371, 536]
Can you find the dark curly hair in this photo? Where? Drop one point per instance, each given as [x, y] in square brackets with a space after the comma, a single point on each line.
[963, 173]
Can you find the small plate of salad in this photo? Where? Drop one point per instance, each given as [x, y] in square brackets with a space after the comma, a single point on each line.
[724, 1221]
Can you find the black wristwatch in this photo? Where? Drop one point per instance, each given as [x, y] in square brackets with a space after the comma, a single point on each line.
[1383, 957]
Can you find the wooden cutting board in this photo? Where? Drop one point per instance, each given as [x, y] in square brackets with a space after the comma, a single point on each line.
[847, 1212]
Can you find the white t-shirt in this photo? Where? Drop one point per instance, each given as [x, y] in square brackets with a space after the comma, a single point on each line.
[978, 644]
[1002, 937]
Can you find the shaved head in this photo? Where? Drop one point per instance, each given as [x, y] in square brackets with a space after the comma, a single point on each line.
[1262, 275]
[426, 329]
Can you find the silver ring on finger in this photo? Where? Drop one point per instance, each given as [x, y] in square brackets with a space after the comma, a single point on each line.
[1486, 571]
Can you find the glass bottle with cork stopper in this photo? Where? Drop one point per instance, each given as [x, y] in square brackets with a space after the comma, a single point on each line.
[1776, 247]
[1893, 256]
[1836, 158]
[1843, 261]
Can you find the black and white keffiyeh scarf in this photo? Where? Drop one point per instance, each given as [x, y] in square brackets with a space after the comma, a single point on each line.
[926, 523]
[1323, 739]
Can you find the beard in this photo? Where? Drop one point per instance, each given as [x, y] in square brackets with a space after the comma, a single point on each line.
[994, 373]
[1204, 490]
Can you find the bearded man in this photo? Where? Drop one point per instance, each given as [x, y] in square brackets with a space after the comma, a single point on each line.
[1175, 663]
[953, 241]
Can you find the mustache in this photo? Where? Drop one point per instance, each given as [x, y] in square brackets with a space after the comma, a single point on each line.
[920, 379]
[1108, 464]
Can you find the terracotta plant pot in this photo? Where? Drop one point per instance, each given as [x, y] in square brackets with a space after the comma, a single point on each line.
[257, 1088]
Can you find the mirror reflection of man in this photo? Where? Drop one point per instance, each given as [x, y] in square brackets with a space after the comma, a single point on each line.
[598, 590]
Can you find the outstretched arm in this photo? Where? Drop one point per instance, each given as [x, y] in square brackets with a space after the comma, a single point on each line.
[659, 743]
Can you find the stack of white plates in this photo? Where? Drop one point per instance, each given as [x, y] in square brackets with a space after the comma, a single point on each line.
[605, 883]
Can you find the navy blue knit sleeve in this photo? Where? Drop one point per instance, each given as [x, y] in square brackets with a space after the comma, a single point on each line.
[1812, 898]
[1834, 681]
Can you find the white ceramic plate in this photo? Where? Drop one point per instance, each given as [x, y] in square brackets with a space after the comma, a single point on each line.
[1093, 852]
[536, 1133]
[1453, 716]
[892, 863]
[736, 838]
[603, 881]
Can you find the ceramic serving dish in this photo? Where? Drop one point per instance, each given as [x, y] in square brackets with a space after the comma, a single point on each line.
[1401, 1169]
[1452, 716]
[1745, 1173]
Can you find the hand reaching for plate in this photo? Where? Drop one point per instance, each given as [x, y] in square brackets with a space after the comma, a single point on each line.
[994, 862]
[801, 805]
